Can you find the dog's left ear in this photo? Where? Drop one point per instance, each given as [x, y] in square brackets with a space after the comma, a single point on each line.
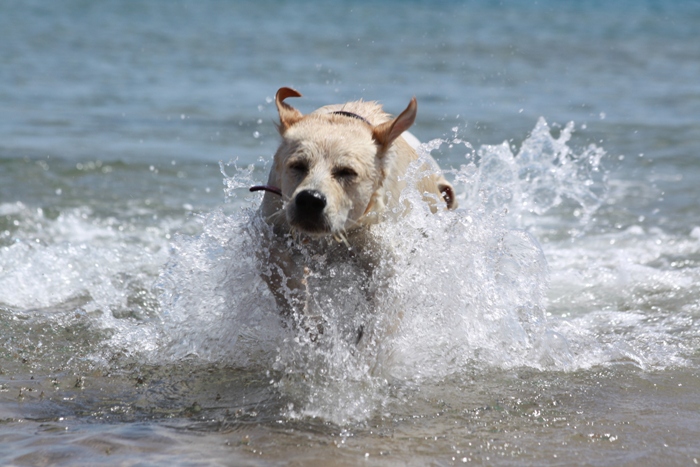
[288, 114]
[387, 132]
[448, 194]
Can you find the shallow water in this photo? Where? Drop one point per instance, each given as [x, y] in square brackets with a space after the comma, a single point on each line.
[551, 320]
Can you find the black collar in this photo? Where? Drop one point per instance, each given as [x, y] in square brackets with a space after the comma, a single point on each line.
[351, 115]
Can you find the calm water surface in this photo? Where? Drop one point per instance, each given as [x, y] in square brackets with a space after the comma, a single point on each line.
[552, 320]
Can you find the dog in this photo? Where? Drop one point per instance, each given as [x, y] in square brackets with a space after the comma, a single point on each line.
[337, 171]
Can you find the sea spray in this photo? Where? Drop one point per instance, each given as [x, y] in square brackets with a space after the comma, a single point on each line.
[450, 292]
[543, 174]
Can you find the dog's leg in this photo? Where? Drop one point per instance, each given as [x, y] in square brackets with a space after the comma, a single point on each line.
[288, 281]
[310, 321]
[278, 272]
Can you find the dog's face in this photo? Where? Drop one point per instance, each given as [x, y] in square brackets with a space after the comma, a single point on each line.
[329, 166]
[329, 172]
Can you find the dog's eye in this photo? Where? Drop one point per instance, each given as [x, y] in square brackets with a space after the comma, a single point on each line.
[344, 172]
[299, 166]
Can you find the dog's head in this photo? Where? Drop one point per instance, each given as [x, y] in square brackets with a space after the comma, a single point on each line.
[329, 166]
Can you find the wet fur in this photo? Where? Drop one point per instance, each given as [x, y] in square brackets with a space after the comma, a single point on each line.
[337, 173]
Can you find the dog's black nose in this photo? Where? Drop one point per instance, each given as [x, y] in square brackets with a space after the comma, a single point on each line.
[310, 201]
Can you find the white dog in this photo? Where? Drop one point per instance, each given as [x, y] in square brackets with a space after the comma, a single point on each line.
[338, 170]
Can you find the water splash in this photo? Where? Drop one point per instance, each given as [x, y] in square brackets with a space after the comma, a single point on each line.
[544, 174]
[450, 292]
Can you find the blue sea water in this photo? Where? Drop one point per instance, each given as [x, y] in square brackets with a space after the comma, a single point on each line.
[552, 319]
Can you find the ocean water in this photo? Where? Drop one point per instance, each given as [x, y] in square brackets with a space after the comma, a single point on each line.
[553, 319]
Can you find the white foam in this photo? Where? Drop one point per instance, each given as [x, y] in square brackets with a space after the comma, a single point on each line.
[78, 266]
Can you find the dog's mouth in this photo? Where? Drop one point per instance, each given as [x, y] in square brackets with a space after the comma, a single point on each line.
[310, 226]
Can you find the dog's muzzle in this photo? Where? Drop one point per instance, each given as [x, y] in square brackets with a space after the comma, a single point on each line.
[308, 211]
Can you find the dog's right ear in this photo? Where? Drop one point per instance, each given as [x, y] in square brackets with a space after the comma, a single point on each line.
[387, 132]
[288, 114]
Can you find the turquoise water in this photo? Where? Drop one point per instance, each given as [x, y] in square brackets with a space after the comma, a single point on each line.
[551, 320]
